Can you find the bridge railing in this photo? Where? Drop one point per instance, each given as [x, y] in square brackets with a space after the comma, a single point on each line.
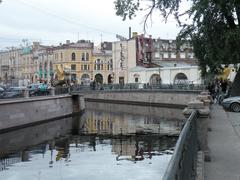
[138, 86]
[183, 162]
[61, 90]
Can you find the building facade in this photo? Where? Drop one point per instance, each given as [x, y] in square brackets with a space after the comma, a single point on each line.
[84, 61]
[120, 62]
[124, 58]
[103, 66]
[9, 64]
[157, 56]
[165, 75]
[75, 58]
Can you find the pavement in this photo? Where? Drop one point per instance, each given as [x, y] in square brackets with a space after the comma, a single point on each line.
[224, 145]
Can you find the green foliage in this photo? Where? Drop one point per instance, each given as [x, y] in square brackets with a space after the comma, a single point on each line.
[214, 29]
[126, 8]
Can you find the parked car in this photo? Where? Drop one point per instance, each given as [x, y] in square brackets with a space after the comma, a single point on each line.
[38, 89]
[232, 103]
[33, 88]
[1, 92]
[14, 92]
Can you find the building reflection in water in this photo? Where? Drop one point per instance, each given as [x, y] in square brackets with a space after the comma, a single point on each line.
[101, 118]
[132, 133]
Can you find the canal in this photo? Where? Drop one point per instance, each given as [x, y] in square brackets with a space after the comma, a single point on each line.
[108, 141]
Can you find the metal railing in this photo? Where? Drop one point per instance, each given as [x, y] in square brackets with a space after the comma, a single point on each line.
[183, 162]
[61, 90]
[138, 86]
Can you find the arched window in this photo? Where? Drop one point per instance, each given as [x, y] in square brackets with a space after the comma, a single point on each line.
[136, 78]
[73, 56]
[83, 56]
[85, 79]
[99, 78]
[155, 79]
[180, 78]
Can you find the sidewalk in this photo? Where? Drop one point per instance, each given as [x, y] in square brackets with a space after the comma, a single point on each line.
[224, 145]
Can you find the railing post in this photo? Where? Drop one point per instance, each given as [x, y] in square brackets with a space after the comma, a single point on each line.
[26, 93]
[52, 91]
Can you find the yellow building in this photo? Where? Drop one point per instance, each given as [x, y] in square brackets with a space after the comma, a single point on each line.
[103, 66]
[84, 62]
[76, 57]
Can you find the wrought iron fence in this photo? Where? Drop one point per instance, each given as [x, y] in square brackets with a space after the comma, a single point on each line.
[61, 90]
[137, 86]
[182, 165]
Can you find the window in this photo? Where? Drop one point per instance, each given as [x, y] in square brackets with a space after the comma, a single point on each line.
[136, 80]
[87, 57]
[98, 64]
[173, 55]
[83, 56]
[182, 55]
[165, 55]
[73, 67]
[190, 55]
[73, 56]
[73, 77]
[85, 67]
[111, 64]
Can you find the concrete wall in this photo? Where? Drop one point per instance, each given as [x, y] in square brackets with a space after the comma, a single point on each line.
[24, 112]
[177, 99]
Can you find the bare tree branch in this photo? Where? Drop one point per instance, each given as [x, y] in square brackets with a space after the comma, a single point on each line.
[149, 14]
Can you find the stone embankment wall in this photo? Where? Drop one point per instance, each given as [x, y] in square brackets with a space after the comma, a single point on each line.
[28, 111]
[175, 99]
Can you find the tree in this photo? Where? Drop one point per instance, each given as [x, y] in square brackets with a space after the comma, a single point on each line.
[214, 30]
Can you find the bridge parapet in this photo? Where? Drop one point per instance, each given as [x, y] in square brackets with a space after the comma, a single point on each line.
[185, 164]
[201, 104]
[182, 164]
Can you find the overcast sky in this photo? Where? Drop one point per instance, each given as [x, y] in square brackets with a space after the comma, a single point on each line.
[55, 21]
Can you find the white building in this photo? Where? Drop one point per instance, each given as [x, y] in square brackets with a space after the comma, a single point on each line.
[165, 75]
[142, 60]
[124, 58]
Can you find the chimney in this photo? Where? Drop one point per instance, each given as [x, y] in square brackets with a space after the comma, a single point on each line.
[130, 32]
[67, 41]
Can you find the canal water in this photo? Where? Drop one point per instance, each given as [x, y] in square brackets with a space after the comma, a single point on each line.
[107, 142]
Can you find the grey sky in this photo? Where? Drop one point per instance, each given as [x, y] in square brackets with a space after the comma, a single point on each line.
[54, 21]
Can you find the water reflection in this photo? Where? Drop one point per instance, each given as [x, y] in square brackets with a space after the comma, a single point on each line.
[106, 142]
[113, 119]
